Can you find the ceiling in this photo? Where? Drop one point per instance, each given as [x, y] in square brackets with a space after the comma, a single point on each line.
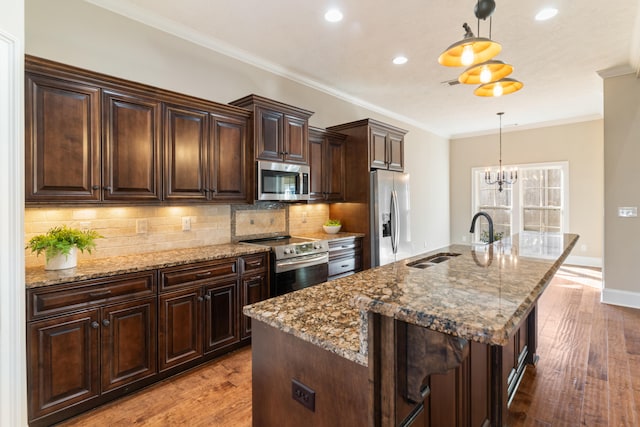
[557, 60]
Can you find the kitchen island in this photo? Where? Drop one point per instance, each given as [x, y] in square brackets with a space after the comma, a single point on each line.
[440, 339]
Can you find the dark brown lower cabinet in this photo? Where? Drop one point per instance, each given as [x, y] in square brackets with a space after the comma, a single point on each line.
[87, 342]
[92, 341]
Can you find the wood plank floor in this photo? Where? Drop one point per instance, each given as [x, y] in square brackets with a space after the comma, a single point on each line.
[588, 373]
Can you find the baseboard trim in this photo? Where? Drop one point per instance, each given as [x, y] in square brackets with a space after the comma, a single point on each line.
[621, 298]
[584, 261]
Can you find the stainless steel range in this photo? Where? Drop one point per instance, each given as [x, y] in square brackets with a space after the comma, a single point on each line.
[296, 262]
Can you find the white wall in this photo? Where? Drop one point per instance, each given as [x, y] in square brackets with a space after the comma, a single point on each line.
[580, 144]
[81, 34]
[12, 306]
[621, 183]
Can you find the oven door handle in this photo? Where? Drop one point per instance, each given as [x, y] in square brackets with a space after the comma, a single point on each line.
[301, 262]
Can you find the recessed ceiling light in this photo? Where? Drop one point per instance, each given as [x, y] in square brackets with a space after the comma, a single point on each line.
[333, 15]
[546, 13]
[399, 60]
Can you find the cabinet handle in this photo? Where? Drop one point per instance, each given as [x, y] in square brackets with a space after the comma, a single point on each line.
[200, 299]
[103, 293]
[95, 187]
[344, 265]
[203, 275]
[347, 246]
[107, 188]
[95, 325]
[207, 297]
[106, 322]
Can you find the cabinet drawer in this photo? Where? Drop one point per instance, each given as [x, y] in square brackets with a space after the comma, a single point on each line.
[56, 299]
[340, 266]
[339, 248]
[253, 263]
[176, 276]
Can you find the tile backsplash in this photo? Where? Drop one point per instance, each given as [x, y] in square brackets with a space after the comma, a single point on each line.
[143, 229]
[134, 230]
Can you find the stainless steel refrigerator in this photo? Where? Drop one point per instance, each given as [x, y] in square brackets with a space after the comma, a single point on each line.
[390, 231]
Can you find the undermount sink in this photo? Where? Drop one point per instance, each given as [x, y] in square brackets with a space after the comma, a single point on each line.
[432, 260]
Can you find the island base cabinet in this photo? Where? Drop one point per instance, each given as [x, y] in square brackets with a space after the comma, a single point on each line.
[278, 359]
[467, 384]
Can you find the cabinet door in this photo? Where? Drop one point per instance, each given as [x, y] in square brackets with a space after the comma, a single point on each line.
[269, 134]
[377, 149]
[296, 140]
[128, 343]
[131, 136]
[63, 362]
[229, 159]
[317, 167]
[395, 155]
[179, 327]
[221, 315]
[62, 132]
[254, 289]
[185, 154]
[335, 169]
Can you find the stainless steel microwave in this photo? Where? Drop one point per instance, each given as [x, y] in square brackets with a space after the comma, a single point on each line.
[282, 181]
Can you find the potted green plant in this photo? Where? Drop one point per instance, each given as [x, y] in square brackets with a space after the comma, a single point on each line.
[332, 226]
[60, 245]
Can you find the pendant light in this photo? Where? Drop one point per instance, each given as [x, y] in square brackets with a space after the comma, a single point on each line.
[477, 53]
[502, 178]
[501, 87]
[485, 72]
[470, 50]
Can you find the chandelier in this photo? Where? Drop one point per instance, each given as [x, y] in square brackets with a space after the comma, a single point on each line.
[477, 54]
[501, 177]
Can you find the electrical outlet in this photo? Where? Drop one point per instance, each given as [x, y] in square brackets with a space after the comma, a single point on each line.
[85, 225]
[304, 217]
[303, 395]
[142, 225]
[186, 223]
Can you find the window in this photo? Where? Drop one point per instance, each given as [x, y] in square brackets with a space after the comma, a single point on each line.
[537, 202]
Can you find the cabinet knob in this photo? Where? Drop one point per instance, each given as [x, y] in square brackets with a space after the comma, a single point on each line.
[106, 322]
[95, 187]
[200, 299]
[95, 325]
[207, 297]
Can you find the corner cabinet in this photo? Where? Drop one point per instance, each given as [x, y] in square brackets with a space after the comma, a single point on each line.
[327, 164]
[280, 131]
[92, 138]
[87, 341]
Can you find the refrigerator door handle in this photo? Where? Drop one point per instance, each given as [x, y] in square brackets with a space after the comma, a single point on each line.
[395, 217]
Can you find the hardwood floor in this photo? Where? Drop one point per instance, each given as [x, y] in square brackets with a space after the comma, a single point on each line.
[588, 373]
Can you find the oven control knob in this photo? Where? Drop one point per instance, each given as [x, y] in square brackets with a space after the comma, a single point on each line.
[287, 250]
[317, 246]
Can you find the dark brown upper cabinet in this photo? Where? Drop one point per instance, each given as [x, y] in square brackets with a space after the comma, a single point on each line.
[62, 130]
[131, 146]
[381, 144]
[327, 164]
[205, 155]
[280, 131]
[95, 138]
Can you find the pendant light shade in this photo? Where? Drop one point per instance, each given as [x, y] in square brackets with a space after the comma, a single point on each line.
[470, 50]
[485, 72]
[501, 87]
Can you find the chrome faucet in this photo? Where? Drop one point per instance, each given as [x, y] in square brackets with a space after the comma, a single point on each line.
[489, 220]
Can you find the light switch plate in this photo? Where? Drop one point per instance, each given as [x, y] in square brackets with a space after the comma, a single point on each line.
[628, 212]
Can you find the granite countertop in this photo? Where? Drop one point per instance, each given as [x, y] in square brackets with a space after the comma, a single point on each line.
[104, 267]
[481, 295]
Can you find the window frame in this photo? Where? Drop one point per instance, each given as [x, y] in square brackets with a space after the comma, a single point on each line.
[517, 195]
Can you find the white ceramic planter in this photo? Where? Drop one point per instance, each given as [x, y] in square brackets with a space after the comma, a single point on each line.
[331, 229]
[61, 262]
